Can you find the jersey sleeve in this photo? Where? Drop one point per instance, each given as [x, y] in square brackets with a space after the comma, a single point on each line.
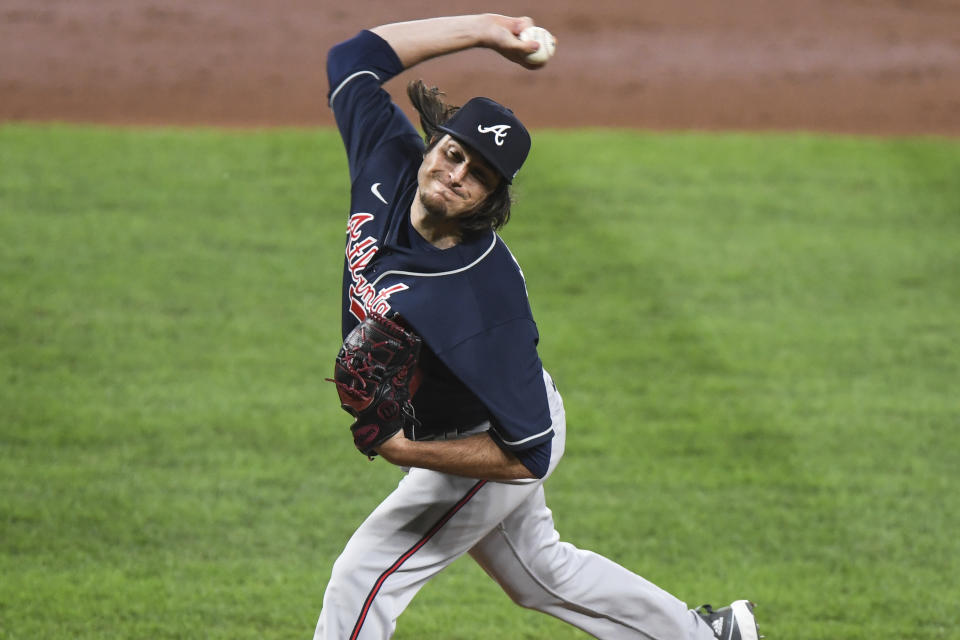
[502, 368]
[537, 458]
[364, 112]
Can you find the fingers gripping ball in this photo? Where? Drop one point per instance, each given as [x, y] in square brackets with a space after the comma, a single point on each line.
[375, 374]
[548, 44]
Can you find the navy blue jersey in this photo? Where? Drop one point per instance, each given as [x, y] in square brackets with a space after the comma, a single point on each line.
[468, 303]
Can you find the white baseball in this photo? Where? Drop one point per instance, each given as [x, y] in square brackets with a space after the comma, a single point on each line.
[548, 44]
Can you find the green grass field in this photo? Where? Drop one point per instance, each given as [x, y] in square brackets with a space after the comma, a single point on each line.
[757, 338]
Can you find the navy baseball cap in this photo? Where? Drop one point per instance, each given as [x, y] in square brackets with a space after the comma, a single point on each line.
[494, 132]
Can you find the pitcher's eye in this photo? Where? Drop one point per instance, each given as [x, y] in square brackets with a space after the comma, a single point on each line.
[481, 177]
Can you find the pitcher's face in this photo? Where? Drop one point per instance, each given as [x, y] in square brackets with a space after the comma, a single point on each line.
[453, 179]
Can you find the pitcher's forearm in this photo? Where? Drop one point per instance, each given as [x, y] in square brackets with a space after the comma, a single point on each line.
[420, 40]
[473, 457]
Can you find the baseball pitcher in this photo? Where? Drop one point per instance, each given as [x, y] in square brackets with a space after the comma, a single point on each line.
[439, 366]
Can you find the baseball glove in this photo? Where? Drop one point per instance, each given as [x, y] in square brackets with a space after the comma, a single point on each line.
[374, 372]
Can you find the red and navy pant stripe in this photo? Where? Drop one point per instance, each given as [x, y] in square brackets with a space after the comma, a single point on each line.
[444, 519]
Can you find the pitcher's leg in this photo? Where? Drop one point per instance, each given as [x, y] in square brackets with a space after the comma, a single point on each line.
[526, 557]
[430, 520]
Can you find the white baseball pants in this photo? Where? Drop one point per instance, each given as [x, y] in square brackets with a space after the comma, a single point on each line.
[431, 519]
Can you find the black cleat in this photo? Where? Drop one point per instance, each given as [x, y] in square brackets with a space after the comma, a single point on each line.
[734, 622]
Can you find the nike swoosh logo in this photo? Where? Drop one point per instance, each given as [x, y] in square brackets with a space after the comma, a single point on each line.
[376, 191]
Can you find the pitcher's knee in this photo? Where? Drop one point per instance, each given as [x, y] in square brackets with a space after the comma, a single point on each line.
[546, 576]
[346, 580]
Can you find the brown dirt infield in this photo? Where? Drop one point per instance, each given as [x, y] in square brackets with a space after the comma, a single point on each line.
[848, 66]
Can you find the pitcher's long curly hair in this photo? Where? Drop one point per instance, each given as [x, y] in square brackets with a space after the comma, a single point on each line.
[494, 211]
